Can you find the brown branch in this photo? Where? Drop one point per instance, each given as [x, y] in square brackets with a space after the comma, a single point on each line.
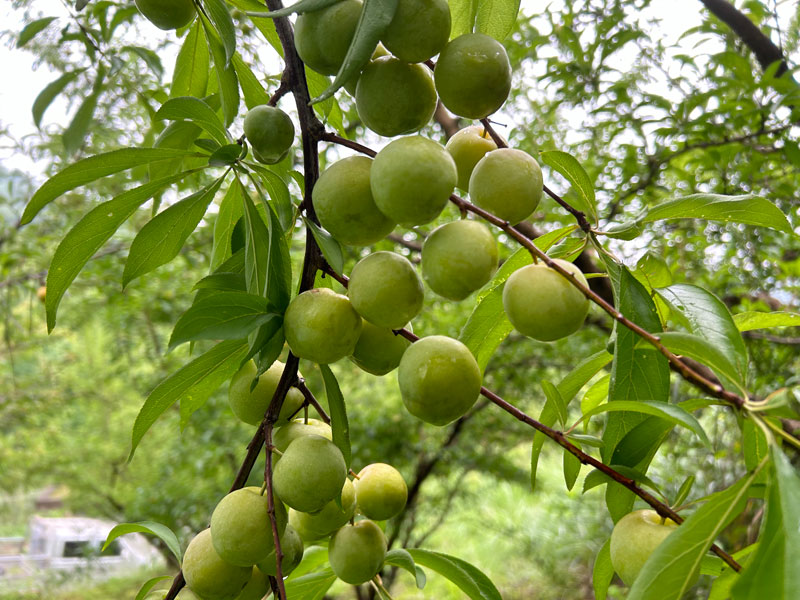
[311, 400]
[766, 52]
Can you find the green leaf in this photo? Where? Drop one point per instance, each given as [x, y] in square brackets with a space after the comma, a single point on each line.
[554, 396]
[149, 585]
[49, 93]
[150, 58]
[401, 558]
[227, 81]
[92, 168]
[230, 211]
[683, 492]
[278, 191]
[313, 586]
[486, 327]
[32, 29]
[222, 281]
[462, 13]
[748, 321]
[160, 240]
[596, 394]
[572, 468]
[672, 568]
[162, 532]
[469, 579]
[195, 382]
[568, 166]
[669, 412]
[227, 155]
[252, 90]
[221, 18]
[497, 17]
[774, 571]
[303, 6]
[331, 249]
[602, 572]
[88, 236]
[702, 351]
[636, 372]
[709, 318]
[229, 315]
[77, 129]
[375, 18]
[339, 423]
[747, 209]
[754, 444]
[190, 76]
[196, 111]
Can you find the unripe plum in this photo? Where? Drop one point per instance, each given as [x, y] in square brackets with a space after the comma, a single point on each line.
[459, 258]
[241, 529]
[345, 206]
[321, 325]
[508, 183]
[250, 406]
[310, 473]
[285, 435]
[542, 304]
[292, 548]
[323, 36]
[419, 30]
[412, 179]
[634, 538]
[208, 575]
[379, 349]
[381, 491]
[473, 75]
[467, 147]
[386, 290]
[270, 132]
[172, 14]
[356, 552]
[256, 588]
[439, 379]
[315, 526]
[394, 97]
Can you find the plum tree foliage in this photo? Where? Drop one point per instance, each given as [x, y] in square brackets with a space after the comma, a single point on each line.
[312, 251]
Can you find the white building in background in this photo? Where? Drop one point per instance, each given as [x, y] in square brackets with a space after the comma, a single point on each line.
[72, 544]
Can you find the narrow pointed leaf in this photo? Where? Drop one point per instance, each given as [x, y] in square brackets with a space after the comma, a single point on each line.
[76, 131]
[149, 585]
[221, 18]
[468, 578]
[90, 169]
[303, 6]
[339, 423]
[162, 532]
[256, 257]
[227, 81]
[331, 249]
[49, 93]
[32, 29]
[312, 586]
[602, 572]
[705, 352]
[160, 240]
[190, 76]
[401, 558]
[196, 380]
[252, 90]
[554, 396]
[568, 166]
[88, 236]
[748, 321]
[195, 111]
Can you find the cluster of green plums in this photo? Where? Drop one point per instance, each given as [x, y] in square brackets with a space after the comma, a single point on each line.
[314, 500]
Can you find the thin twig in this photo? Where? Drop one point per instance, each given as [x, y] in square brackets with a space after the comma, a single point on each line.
[310, 399]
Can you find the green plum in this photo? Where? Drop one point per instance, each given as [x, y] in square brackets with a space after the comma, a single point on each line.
[381, 491]
[542, 304]
[207, 575]
[292, 548]
[473, 75]
[310, 473]
[459, 258]
[394, 97]
[439, 379]
[251, 406]
[315, 526]
[285, 435]
[385, 289]
[467, 147]
[323, 36]
[419, 30]
[356, 552]
[379, 349]
[508, 183]
[167, 14]
[270, 132]
[257, 587]
[345, 206]
[634, 538]
[241, 529]
[412, 179]
[321, 325]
